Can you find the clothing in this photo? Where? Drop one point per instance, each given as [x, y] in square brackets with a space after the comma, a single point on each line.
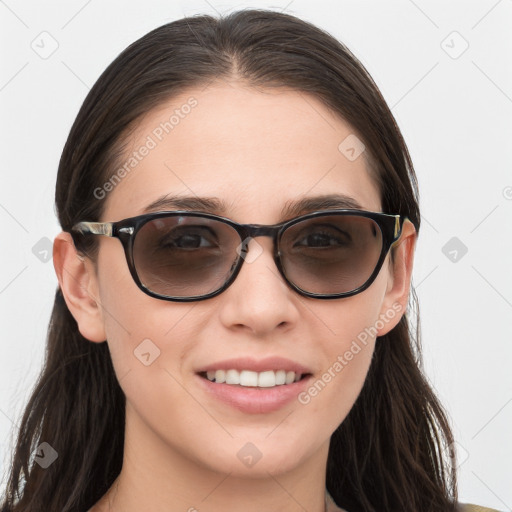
[466, 507]
[462, 507]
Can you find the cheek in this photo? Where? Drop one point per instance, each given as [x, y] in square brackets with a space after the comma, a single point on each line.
[332, 393]
[143, 333]
[347, 352]
[148, 340]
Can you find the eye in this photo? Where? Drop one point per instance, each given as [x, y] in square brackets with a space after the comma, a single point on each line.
[189, 237]
[322, 237]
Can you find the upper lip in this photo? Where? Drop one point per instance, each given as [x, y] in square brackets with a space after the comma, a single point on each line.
[256, 365]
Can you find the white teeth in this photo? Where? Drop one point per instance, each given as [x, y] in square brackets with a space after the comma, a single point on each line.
[290, 377]
[220, 376]
[232, 377]
[248, 378]
[280, 377]
[266, 379]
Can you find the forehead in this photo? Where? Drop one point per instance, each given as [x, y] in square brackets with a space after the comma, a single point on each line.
[253, 149]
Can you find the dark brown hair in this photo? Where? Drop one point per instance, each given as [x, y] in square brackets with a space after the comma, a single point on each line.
[392, 452]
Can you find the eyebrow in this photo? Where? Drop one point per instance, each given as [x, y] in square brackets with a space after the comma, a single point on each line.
[291, 208]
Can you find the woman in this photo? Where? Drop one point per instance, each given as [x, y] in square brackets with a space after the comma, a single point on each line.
[244, 343]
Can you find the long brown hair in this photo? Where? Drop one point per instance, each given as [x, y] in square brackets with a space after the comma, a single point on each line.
[392, 452]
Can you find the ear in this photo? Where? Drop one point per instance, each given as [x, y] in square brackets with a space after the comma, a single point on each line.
[399, 281]
[79, 285]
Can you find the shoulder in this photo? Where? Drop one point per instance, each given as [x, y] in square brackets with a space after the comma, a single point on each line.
[461, 507]
[468, 507]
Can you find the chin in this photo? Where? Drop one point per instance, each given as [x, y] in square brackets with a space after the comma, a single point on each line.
[243, 458]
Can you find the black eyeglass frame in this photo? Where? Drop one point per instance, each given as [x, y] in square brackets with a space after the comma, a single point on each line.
[126, 230]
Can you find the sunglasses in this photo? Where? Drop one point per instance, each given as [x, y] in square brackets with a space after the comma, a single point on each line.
[189, 256]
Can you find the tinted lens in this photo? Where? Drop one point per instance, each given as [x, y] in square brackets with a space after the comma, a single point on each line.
[331, 254]
[184, 256]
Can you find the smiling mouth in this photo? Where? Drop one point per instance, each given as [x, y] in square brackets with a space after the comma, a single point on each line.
[248, 378]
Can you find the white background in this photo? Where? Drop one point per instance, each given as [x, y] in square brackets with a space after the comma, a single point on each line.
[455, 115]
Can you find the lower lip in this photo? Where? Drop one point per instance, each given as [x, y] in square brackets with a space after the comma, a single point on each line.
[254, 400]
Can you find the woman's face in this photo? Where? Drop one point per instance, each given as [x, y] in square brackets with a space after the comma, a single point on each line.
[254, 151]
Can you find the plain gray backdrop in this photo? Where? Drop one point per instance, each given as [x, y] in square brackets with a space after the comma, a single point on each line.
[445, 70]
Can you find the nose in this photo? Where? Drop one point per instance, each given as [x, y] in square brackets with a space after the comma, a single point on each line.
[259, 300]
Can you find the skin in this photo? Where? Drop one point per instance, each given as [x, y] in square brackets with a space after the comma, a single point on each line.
[255, 149]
